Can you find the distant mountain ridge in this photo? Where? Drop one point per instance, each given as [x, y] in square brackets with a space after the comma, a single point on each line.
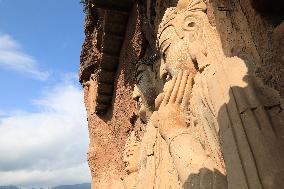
[74, 186]
[9, 187]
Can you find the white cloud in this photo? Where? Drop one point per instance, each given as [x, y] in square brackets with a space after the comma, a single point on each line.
[75, 175]
[48, 147]
[13, 57]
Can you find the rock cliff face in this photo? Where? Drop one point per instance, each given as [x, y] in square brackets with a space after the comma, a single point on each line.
[226, 60]
[111, 47]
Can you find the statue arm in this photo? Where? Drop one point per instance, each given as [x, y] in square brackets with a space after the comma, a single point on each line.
[189, 157]
[193, 164]
[171, 123]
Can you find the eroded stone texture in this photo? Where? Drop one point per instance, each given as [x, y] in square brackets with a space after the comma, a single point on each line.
[90, 49]
[131, 160]
[108, 132]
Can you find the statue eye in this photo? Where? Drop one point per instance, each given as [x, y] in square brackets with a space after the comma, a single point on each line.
[166, 77]
[191, 24]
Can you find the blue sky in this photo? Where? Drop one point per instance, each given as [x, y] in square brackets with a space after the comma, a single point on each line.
[49, 31]
[43, 128]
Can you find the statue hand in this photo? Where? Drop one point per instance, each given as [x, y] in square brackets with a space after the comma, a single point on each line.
[170, 119]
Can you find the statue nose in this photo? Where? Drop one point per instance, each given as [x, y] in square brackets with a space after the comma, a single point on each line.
[136, 94]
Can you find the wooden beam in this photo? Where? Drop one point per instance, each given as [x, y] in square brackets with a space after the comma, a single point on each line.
[119, 5]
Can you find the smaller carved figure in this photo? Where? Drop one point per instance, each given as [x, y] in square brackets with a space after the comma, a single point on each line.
[156, 169]
[147, 86]
[131, 159]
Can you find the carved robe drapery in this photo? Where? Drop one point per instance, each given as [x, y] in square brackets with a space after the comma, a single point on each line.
[250, 124]
[156, 166]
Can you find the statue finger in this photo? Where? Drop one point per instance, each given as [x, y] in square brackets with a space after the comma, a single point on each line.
[182, 87]
[169, 91]
[176, 88]
[187, 92]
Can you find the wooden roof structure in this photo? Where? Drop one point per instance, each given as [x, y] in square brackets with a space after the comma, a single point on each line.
[114, 20]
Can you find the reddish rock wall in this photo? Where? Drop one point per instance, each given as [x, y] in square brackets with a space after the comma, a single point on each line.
[109, 131]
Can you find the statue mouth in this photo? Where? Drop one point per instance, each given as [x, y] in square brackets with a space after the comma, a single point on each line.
[139, 106]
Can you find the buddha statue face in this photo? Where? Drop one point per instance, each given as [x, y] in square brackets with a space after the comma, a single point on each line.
[147, 87]
[131, 154]
[180, 37]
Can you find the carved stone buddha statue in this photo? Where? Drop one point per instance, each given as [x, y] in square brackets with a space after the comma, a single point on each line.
[156, 168]
[131, 160]
[223, 126]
